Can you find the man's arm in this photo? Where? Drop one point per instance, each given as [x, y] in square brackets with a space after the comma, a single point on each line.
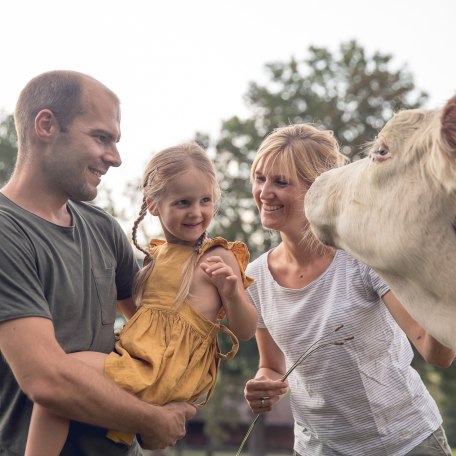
[68, 387]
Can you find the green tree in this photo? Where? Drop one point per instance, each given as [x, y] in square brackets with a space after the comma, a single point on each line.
[346, 91]
[8, 147]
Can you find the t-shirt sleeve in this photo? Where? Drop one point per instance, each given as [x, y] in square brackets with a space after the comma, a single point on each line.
[253, 291]
[373, 281]
[21, 290]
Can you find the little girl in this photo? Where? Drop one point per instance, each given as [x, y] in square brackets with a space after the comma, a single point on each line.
[168, 350]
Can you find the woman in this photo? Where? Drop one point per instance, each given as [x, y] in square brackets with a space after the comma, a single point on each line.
[361, 398]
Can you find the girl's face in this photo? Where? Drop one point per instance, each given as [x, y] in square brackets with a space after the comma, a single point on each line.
[280, 201]
[186, 210]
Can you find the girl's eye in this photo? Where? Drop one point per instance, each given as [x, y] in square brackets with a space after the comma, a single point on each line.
[207, 200]
[281, 182]
[259, 178]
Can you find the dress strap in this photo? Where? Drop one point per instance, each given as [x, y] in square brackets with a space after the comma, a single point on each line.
[235, 346]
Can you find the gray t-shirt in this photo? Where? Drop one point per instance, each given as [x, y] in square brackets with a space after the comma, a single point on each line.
[73, 276]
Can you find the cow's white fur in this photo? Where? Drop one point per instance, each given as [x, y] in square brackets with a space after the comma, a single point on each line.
[396, 211]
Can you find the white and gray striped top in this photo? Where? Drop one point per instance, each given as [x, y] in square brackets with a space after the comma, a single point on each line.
[362, 398]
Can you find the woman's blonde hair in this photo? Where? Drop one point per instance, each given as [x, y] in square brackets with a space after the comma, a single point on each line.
[302, 152]
[164, 166]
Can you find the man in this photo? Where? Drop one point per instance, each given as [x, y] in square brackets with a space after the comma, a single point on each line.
[63, 265]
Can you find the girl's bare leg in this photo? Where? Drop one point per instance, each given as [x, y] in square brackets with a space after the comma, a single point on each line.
[48, 432]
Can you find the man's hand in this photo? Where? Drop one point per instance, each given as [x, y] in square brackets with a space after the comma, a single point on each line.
[172, 426]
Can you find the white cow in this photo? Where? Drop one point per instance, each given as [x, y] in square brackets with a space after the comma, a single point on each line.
[396, 211]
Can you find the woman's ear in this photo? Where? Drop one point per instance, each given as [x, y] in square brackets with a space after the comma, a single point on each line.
[152, 207]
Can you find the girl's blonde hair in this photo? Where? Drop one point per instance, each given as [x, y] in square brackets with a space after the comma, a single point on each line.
[302, 152]
[164, 166]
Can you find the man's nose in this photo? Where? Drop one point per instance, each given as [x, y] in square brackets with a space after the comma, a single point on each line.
[113, 156]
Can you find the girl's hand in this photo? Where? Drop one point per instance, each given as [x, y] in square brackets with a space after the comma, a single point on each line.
[221, 275]
[262, 393]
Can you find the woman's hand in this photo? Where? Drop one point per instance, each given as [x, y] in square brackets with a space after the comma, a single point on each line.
[262, 393]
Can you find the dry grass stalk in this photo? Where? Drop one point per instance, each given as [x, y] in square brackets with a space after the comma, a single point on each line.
[312, 349]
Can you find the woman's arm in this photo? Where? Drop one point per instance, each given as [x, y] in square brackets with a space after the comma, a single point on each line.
[429, 348]
[266, 389]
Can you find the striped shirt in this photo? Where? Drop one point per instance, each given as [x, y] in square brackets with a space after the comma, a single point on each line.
[361, 398]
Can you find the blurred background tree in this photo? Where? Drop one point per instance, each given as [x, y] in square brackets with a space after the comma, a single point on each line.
[347, 91]
[8, 146]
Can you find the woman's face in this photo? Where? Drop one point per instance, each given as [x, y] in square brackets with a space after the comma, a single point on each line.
[280, 201]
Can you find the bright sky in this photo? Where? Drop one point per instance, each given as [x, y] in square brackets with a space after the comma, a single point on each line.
[181, 66]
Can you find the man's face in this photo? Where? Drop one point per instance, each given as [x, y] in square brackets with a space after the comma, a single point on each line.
[88, 147]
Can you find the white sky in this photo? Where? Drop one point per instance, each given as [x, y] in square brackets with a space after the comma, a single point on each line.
[183, 66]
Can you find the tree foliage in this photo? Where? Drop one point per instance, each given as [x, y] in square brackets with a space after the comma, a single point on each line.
[347, 91]
[8, 147]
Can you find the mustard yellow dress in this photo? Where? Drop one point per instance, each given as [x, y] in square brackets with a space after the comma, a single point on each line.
[167, 352]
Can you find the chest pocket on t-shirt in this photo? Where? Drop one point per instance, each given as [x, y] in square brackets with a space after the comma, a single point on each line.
[107, 294]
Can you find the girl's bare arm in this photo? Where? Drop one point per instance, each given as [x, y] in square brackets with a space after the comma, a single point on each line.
[223, 270]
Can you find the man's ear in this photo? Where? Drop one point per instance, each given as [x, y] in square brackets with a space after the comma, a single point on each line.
[46, 125]
[152, 207]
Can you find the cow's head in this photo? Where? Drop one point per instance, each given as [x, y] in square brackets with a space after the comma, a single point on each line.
[396, 211]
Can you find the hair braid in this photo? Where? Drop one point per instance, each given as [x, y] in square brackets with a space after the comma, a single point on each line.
[200, 242]
[142, 214]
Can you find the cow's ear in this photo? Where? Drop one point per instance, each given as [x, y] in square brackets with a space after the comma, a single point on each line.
[448, 130]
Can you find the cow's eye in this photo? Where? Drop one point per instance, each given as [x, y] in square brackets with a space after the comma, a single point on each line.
[381, 152]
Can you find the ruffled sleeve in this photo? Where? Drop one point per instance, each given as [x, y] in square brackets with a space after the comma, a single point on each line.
[240, 251]
[154, 246]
